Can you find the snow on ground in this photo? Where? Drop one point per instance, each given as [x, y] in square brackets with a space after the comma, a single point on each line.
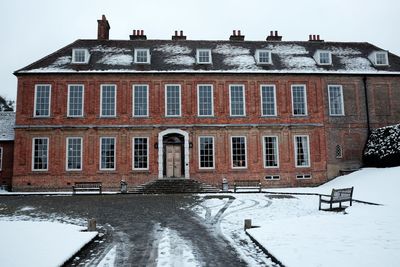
[39, 243]
[109, 259]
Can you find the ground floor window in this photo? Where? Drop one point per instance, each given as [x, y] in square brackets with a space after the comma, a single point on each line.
[270, 151]
[40, 152]
[206, 152]
[107, 155]
[302, 151]
[239, 157]
[140, 153]
[74, 153]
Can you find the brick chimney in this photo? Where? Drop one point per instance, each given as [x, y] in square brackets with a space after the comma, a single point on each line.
[273, 36]
[138, 35]
[236, 36]
[103, 28]
[178, 37]
[314, 38]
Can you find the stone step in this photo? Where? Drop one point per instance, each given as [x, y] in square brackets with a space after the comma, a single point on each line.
[173, 186]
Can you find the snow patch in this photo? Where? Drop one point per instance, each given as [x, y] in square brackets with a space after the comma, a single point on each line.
[108, 49]
[180, 60]
[174, 49]
[230, 50]
[109, 259]
[300, 62]
[287, 49]
[117, 59]
[357, 64]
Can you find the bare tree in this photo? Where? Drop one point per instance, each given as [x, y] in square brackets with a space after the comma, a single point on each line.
[6, 104]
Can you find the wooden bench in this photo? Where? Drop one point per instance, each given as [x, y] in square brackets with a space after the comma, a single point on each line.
[247, 184]
[337, 196]
[87, 186]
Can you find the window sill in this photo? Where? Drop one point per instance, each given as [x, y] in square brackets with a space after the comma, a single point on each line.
[141, 171]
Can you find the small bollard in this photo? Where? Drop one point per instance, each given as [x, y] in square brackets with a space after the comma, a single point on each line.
[247, 224]
[91, 225]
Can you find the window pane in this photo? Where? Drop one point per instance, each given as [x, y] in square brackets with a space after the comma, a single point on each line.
[140, 150]
[271, 151]
[204, 56]
[206, 152]
[205, 100]
[237, 100]
[142, 56]
[268, 100]
[239, 152]
[381, 59]
[75, 100]
[299, 100]
[79, 55]
[74, 150]
[42, 108]
[302, 151]
[263, 57]
[324, 58]
[173, 100]
[140, 100]
[108, 100]
[107, 153]
[335, 100]
[40, 153]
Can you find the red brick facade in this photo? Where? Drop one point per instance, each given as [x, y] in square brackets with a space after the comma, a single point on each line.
[6, 165]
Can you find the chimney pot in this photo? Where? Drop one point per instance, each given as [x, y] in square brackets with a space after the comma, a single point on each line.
[181, 33]
[239, 33]
[234, 32]
[276, 33]
[273, 36]
[103, 28]
[318, 37]
[176, 33]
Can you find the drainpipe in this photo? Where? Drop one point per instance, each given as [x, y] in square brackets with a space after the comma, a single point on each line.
[366, 104]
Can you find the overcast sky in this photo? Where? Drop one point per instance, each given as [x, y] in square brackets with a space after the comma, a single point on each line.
[31, 30]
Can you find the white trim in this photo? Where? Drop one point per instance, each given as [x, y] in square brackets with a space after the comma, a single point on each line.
[245, 151]
[373, 58]
[261, 98]
[101, 101]
[212, 100]
[133, 153]
[87, 56]
[35, 102]
[115, 153]
[258, 57]
[33, 154]
[1, 158]
[198, 56]
[317, 57]
[133, 101]
[277, 152]
[147, 52]
[66, 153]
[213, 152]
[244, 100]
[83, 100]
[341, 99]
[166, 100]
[308, 150]
[305, 100]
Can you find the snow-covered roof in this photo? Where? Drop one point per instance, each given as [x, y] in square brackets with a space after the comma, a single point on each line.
[117, 56]
[7, 122]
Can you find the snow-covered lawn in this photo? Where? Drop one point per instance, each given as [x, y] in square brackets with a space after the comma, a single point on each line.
[39, 243]
[298, 234]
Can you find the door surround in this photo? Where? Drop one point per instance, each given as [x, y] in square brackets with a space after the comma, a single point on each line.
[161, 151]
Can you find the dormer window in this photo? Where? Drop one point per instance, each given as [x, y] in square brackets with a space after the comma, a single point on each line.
[263, 57]
[323, 57]
[142, 56]
[381, 58]
[80, 56]
[203, 56]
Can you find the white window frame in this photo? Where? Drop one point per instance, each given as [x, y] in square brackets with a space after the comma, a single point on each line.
[33, 154]
[198, 56]
[244, 100]
[305, 100]
[213, 152]
[277, 152]
[262, 100]
[386, 58]
[308, 150]
[66, 154]
[68, 100]
[1, 158]
[35, 100]
[166, 100]
[115, 153]
[303, 176]
[258, 51]
[133, 153]
[142, 50]
[317, 57]
[341, 99]
[101, 101]
[245, 151]
[87, 56]
[198, 100]
[133, 100]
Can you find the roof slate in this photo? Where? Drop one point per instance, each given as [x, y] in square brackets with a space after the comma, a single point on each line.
[7, 123]
[227, 56]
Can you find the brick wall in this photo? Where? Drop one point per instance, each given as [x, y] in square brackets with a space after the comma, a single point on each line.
[6, 171]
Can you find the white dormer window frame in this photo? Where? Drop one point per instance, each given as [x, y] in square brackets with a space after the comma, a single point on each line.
[261, 58]
[80, 56]
[203, 56]
[141, 58]
[318, 58]
[384, 60]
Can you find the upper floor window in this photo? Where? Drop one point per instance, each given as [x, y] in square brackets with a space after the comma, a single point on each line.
[142, 55]
[381, 58]
[107, 153]
[268, 100]
[108, 100]
[140, 100]
[299, 100]
[203, 56]
[205, 100]
[40, 153]
[80, 56]
[75, 100]
[302, 150]
[172, 100]
[140, 153]
[335, 100]
[42, 100]
[270, 151]
[74, 154]
[239, 155]
[237, 100]
[263, 57]
[323, 57]
[1, 158]
[206, 152]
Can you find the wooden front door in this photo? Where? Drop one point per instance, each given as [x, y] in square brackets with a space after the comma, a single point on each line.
[174, 161]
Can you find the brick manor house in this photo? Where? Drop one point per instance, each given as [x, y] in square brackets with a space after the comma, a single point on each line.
[290, 113]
